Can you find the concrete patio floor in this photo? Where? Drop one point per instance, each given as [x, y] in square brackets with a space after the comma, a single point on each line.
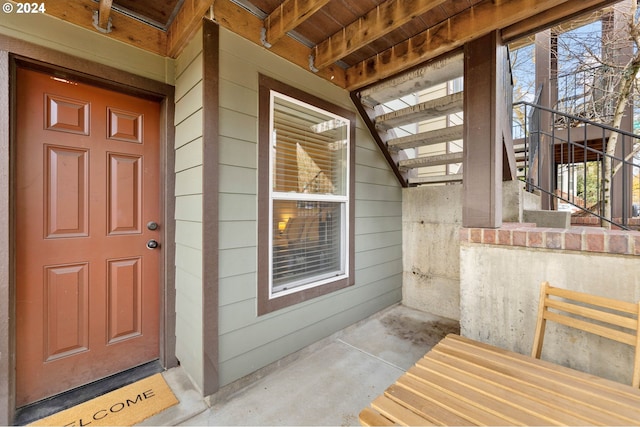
[327, 383]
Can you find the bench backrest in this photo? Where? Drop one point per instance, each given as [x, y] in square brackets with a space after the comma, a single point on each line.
[609, 318]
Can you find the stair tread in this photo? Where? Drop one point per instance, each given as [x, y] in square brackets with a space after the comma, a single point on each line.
[520, 149]
[436, 179]
[433, 108]
[426, 138]
[435, 160]
[433, 73]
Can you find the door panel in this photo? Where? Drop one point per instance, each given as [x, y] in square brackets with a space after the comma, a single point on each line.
[124, 194]
[87, 287]
[66, 191]
[66, 311]
[125, 299]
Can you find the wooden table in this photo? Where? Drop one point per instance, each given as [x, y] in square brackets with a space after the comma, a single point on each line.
[465, 382]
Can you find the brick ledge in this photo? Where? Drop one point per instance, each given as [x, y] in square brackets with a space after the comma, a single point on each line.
[585, 239]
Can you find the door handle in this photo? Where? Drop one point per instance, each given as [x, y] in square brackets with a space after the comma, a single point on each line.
[152, 244]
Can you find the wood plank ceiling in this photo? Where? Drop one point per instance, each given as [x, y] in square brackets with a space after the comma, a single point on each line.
[352, 43]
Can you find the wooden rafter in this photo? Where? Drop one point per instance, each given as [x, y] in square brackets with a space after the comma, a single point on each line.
[185, 24]
[450, 34]
[245, 24]
[376, 23]
[552, 16]
[515, 18]
[103, 13]
[288, 16]
[124, 28]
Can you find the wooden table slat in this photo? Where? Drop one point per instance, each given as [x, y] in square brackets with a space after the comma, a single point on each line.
[397, 413]
[492, 404]
[529, 399]
[369, 417]
[592, 381]
[576, 386]
[465, 409]
[432, 412]
[462, 381]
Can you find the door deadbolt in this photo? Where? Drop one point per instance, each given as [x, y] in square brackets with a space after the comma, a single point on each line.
[152, 225]
[152, 244]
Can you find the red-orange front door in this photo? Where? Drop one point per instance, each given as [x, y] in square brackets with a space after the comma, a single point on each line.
[87, 185]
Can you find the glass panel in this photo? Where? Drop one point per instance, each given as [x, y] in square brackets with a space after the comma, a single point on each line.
[307, 242]
[310, 149]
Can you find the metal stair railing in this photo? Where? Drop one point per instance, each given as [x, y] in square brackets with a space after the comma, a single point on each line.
[572, 148]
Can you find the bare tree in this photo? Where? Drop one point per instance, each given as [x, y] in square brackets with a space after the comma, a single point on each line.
[608, 63]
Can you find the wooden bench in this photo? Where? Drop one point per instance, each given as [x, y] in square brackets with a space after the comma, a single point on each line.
[466, 382]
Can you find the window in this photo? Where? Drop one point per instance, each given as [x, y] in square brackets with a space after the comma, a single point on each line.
[306, 184]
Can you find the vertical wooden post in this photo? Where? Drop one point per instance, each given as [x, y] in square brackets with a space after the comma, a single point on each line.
[483, 139]
[7, 310]
[103, 14]
[210, 172]
[545, 63]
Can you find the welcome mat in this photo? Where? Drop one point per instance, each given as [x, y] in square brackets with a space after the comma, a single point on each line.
[125, 406]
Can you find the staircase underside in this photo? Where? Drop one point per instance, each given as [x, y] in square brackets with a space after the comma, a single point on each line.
[416, 119]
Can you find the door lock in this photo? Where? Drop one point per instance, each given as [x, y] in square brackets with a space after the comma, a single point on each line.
[152, 244]
[152, 225]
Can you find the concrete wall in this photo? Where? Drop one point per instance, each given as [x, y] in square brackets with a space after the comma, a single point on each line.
[248, 342]
[431, 220]
[515, 200]
[499, 288]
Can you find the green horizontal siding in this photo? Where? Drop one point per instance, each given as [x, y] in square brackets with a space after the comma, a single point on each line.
[188, 211]
[190, 128]
[378, 208]
[237, 152]
[189, 155]
[189, 233]
[238, 180]
[234, 262]
[368, 225]
[248, 342]
[238, 234]
[368, 191]
[235, 289]
[238, 125]
[189, 181]
[373, 175]
[238, 207]
[235, 365]
[377, 256]
[189, 68]
[189, 103]
[189, 208]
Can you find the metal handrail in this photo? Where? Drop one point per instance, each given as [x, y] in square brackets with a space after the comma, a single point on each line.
[571, 147]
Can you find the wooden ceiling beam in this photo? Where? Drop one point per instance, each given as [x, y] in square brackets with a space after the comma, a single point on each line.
[288, 16]
[247, 25]
[185, 25]
[450, 34]
[123, 28]
[376, 23]
[552, 17]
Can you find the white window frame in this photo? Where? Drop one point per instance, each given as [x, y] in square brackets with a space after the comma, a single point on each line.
[325, 278]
